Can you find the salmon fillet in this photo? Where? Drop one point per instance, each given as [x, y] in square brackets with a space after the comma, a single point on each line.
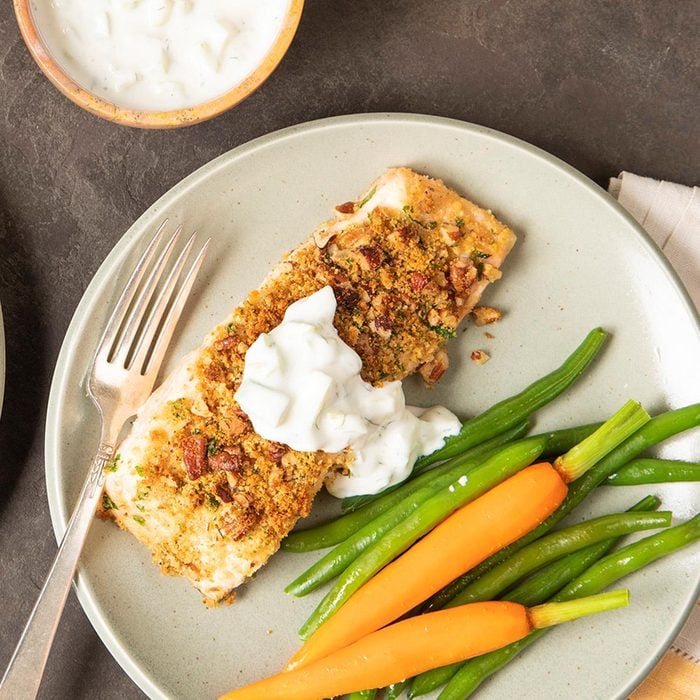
[193, 482]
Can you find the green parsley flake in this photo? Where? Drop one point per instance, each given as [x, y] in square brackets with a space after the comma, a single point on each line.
[212, 503]
[139, 470]
[212, 447]
[443, 331]
[367, 197]
[139, 519]
[459, 222]
[111, 466]
[108, 503]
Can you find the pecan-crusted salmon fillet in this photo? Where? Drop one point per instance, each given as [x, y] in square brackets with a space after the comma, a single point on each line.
[209, 497]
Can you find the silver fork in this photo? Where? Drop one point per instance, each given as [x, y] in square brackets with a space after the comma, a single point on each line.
[121, 377]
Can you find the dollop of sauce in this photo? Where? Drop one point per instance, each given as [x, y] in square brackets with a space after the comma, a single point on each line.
[302, 387]
[159, 55]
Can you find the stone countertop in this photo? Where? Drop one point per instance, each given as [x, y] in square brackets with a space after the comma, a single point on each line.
[605, 86]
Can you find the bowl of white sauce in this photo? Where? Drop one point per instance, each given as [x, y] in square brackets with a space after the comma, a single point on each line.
[158, 63]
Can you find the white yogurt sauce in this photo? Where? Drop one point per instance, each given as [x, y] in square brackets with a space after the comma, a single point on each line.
[159, 54]
[301, 386]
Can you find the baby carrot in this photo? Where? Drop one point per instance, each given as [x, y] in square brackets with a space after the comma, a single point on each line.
[468, 536]
[471, 534]
[420, 643]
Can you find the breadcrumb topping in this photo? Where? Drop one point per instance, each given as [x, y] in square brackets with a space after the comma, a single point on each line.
[195, 483]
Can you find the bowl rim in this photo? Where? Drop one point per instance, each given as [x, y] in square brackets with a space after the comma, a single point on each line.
[147, 119]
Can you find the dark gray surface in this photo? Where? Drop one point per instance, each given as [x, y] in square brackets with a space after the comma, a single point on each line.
[606, 86]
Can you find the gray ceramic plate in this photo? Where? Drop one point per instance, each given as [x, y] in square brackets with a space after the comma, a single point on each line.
[580, 262]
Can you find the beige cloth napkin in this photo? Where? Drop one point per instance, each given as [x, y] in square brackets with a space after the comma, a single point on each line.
[670, 214]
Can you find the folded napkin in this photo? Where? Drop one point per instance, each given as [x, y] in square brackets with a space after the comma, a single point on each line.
[670, 214]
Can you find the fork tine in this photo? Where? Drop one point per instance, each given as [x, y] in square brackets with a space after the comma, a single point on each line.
[173, 315]
[150, 328]
[114, 323]
[143, 299]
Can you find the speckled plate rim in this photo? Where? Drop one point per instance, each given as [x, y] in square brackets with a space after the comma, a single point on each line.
[133, 235]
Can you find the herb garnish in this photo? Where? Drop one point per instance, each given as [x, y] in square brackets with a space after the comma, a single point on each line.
[212, 502]
[367, 197]
[443, 331]
[111, 466]
[108, 503]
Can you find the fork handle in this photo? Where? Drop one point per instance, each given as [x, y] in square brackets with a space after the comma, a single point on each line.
[23, 675]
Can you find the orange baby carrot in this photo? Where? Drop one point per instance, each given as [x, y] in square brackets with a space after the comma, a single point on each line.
[418, 644]
[467, 537]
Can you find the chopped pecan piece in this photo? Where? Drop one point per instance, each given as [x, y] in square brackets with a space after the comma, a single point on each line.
[347, 299]
[223, 491]
[242, 500]
[346, 207]
[483, 315]
[276, 452]
[215, 372]
[237, 523]
[418, 281]
[491, 273]
[195, 455]
[479, 357]
[382, 326]
[462, 273]
[372, 255]
[432, 371]
[225, 343]
[450, 233]
[228, 459]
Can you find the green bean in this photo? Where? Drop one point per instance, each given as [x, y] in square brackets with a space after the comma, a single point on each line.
[340, 529]
[552, 578]
[342, 556]
[395, 689]
[506, 462]
[654, 471]
[362, 695]
[561, 441]
[659, 428]
[558, 442]
[545, 550]
[599, 576]
[512, 410]
[556, 545]
[632, 557]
